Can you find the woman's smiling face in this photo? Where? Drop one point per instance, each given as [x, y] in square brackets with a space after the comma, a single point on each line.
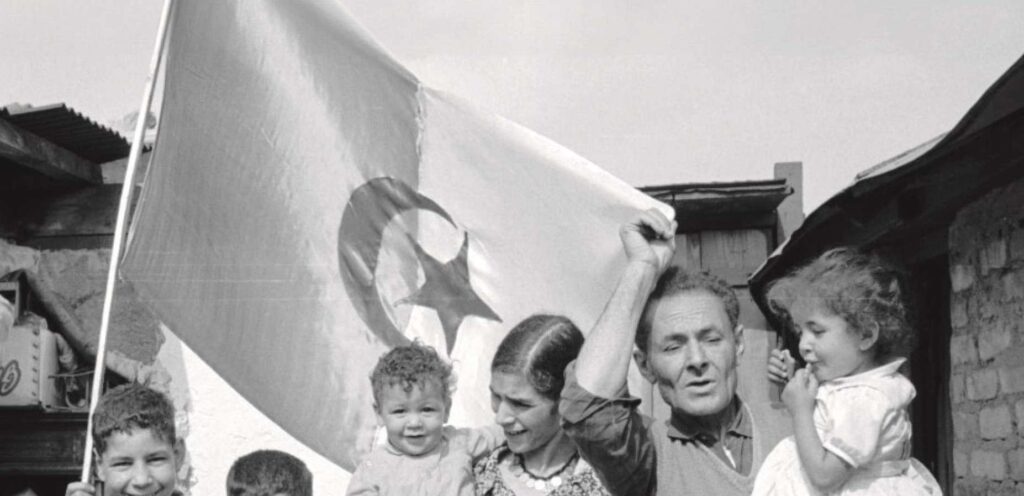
[530, 419]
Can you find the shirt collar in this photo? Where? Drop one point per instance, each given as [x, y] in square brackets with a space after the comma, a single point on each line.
[739, 426]
[880, 371]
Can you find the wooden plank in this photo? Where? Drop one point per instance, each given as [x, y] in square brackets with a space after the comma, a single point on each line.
[687, 254]
[933, 439]
[791, 210]
[733, 255]
[752, 372]
[88, 211]
[39, 443]
[731, 221]
[87, 242]
[80, 219]
[35, 153]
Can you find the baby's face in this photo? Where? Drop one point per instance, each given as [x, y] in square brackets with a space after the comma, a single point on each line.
[139, 463]
[414, 419]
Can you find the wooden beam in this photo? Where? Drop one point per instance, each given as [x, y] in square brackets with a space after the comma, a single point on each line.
[726, 221]
[38, 443]
[39, 155]
[791, 210]
[79, 219]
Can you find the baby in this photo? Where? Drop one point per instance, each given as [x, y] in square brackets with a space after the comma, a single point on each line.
[412, 389]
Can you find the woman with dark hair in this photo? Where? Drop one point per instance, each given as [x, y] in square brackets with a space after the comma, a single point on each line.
[526, 381]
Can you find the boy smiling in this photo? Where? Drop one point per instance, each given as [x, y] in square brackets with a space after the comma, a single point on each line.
[137, 450]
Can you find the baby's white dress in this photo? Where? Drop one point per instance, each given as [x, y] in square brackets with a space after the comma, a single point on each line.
[863, 420]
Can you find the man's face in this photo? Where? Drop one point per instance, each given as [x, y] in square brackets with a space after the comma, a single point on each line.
[692, 353]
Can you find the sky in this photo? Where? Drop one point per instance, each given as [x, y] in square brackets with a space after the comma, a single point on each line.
[656, 92]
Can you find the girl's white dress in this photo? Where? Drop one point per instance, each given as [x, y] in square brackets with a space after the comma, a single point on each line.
[863, 420]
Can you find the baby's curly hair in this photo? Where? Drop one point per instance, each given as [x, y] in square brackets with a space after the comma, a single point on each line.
[861, 288]
[411, 365]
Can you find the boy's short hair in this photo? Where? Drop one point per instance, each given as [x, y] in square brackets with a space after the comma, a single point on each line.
[411, 365]
[132, 406]
[267, 473]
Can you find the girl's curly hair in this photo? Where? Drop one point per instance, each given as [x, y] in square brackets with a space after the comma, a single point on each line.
[864, 290]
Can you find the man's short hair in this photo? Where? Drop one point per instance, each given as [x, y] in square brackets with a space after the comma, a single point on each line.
[130, 407]
[267, 473]
[677, 280]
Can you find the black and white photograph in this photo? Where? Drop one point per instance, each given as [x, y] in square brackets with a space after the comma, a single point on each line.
[519, 248]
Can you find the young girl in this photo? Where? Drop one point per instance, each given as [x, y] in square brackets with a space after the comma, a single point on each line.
[851, 428]
[412, 389]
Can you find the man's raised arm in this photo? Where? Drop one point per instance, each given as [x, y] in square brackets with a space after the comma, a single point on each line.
[603, 363]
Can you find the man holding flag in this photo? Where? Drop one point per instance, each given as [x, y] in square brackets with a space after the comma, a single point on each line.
[688, 344]
[311, 203]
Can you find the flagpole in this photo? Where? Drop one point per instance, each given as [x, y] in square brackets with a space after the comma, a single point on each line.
[119, 227]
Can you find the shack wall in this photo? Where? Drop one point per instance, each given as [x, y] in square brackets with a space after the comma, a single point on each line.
[986, 255]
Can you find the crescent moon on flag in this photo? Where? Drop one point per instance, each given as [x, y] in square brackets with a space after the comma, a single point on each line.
[369, 210]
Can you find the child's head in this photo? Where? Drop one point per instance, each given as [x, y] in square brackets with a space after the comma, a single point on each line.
[412, 397]
[137, 450]
[856, 292]
[269, 473]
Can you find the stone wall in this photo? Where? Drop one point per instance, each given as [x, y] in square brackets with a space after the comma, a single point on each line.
[987, 347]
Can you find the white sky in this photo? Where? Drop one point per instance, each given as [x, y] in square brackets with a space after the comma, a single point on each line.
[654, 91]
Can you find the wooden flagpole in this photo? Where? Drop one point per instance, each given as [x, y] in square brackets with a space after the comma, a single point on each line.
[119, 231]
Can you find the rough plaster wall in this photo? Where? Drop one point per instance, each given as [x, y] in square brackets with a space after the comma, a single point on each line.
[987, 347]
[220, 426]
[79, 277]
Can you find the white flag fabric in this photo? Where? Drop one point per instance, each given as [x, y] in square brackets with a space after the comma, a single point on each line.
[310, 204]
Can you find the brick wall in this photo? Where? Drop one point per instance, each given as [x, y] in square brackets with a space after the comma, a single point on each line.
[987, 347]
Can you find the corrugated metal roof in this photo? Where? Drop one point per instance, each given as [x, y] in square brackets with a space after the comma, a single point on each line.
[70, 130]
[1003, 99]
[900, 160]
